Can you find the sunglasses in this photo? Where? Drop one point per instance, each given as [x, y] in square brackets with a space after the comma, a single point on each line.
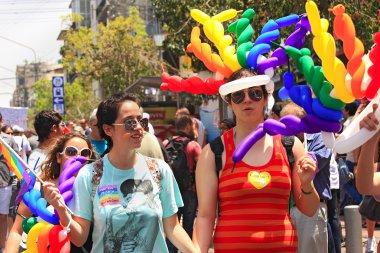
[239, 96]
[71, 151]
[131, 124]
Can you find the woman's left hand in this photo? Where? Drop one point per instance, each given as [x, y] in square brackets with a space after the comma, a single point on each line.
[306, 170]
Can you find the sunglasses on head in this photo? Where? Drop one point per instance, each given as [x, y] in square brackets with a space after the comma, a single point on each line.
[131, 124]
[238, 96]
[73, 151]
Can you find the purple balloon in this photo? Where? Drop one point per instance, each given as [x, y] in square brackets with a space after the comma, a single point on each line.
[296, 39]
[287, 126]
[67, 185]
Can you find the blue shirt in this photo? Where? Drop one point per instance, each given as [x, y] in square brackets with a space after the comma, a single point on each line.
[323, 154]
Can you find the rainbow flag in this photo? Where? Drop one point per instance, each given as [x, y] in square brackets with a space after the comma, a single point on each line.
[14, 161]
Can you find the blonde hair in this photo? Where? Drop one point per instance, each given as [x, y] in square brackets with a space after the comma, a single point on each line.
[292, 109]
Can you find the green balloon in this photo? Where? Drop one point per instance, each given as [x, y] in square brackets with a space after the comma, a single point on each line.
[28, 223]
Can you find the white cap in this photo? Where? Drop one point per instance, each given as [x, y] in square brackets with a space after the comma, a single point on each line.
[17, 129]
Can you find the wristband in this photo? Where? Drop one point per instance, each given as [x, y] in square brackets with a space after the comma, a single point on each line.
[66, 228]
[308, 193]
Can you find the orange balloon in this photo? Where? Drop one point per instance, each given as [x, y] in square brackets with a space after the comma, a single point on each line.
[353, 48]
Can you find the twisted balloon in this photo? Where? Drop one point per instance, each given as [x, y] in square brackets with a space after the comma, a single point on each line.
[314, 76]
[288, 125]
[193, 85]
[204, 53]
[353, 48]
[374, 70]
[324, 46]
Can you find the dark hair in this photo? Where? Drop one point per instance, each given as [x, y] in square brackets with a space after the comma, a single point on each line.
[191, 109]
[230, 123]
[5, 127]
[108, 111]
[277, 107]
[51, 168]
[128, 186]
[1, 116]
[241, 74]
[183, 121]
[351, 108]
[44, 121]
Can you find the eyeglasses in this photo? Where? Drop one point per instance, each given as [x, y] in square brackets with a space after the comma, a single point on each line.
[131, 124]
[73, 151]
[238, 96]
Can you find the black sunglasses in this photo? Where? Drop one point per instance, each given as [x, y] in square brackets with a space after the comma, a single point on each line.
[73, 151]
[238, 96]
[131, 124]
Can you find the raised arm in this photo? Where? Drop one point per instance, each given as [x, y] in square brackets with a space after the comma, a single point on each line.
[207, 191]
[304, 193]
[79, 227]
[367, 181]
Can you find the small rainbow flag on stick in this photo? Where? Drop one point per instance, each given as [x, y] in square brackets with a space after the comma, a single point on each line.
[15, 162]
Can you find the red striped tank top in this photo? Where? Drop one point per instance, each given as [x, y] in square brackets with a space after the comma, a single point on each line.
[254, 214]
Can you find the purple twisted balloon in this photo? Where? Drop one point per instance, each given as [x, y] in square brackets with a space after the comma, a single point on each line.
[296, 39]
[67, 178]
[288, 125]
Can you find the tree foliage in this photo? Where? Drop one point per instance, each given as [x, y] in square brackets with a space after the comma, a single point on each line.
[117, 55]
[178, 23]
[78, 97]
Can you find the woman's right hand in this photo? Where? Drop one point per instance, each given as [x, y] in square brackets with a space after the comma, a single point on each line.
[53, 196]
[370, 122]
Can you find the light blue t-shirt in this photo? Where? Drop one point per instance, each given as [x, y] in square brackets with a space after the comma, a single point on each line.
[128, 206]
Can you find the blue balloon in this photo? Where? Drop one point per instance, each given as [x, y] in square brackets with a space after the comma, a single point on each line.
[44, 213]
[283, 93]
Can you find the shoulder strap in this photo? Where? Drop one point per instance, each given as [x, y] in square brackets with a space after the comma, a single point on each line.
[288, 142]
[217, 147]
[97, 173]
[154, 170]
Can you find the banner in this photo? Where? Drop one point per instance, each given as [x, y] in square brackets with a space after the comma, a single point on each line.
[15, 116]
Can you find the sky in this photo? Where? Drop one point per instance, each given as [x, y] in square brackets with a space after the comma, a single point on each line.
[35, 24]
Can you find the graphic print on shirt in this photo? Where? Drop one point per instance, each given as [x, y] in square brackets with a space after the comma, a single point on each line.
[139, 218]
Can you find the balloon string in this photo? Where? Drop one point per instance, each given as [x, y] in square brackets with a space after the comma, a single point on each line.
[276, 44]
[233, 167]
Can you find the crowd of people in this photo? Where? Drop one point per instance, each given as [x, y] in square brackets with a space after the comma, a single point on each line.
[144, 194]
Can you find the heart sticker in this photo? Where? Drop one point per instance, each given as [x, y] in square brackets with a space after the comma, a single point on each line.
[259, 180]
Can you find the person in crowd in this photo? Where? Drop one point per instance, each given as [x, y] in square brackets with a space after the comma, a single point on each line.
[7, 129]
[367, 176]
[66, 146]
[22, 142]
[225, 125]
[349, 190]
[49, 127]
[200, 133]
[314, 233]
[123, 220]
[84, 126]
[253, 196]
[186, 180]
[150, 126]
[96, 140]
[32, 138]
[276, 110]
[5, 185]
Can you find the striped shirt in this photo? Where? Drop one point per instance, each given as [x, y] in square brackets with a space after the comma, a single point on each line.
[254, 214]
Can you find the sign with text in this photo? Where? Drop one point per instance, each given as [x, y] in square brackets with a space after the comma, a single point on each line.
[15, 116]
[58, 94]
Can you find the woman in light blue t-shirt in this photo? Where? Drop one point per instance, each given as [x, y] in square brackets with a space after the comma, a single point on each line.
[133, 201]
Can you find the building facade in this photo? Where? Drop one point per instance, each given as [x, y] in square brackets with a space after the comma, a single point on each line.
[26, 77]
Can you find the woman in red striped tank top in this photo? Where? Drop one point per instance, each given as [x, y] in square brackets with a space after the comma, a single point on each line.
[253, 198]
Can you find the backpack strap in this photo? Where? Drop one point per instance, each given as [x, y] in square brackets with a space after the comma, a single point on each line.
[217, 147]
[154, 170]
[97, 173]
[288, 142]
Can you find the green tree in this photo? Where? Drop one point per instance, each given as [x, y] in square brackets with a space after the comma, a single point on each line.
[79, 100]
[117, 55]
[178, 23]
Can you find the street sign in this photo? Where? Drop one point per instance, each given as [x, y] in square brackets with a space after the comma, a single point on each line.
[58, 94]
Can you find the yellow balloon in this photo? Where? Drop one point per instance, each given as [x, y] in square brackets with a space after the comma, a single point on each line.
[199, 16]
[230, 58]
[31, 241]
[313, 16]
[225, 15]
